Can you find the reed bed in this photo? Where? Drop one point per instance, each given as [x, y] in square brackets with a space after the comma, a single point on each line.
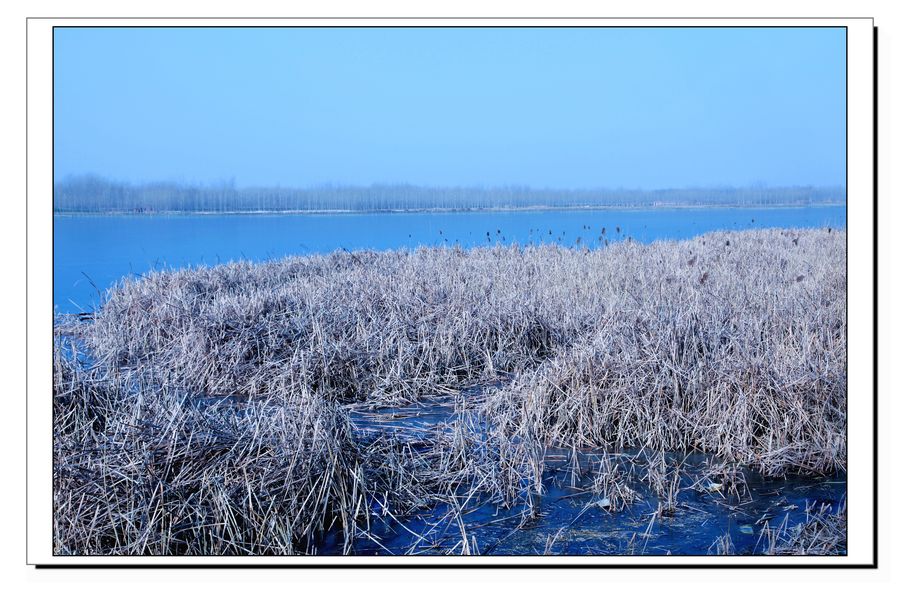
[141, 470]
[213, 413]
[749, 365]
[824, 532]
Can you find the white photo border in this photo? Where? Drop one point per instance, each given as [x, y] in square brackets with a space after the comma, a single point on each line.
[861, 228]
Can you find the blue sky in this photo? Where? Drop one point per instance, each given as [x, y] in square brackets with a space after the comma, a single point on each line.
[544, 107]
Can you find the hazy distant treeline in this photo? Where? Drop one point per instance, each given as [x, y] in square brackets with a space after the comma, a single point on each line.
[94, 194]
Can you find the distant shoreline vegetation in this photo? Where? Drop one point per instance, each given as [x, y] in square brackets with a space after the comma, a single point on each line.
[97, 195]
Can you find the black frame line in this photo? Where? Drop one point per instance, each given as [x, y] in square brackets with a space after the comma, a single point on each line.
[561, 25]
[874, 299]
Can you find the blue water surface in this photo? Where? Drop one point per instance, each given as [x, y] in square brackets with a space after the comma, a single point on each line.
[91, 253]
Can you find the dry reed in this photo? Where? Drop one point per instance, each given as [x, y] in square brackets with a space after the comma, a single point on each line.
[214, 416]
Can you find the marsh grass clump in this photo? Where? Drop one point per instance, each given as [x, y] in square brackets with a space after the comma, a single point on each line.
[823, 532]
[727, 480]
[388, 326]
[139, 470]
[209, 410]
[664, 478]
[750, 366]
[609, 488]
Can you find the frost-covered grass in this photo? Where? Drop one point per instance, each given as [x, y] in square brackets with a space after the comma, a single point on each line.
[732, 344]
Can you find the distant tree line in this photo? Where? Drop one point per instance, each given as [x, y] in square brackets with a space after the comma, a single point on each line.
[96, 194]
